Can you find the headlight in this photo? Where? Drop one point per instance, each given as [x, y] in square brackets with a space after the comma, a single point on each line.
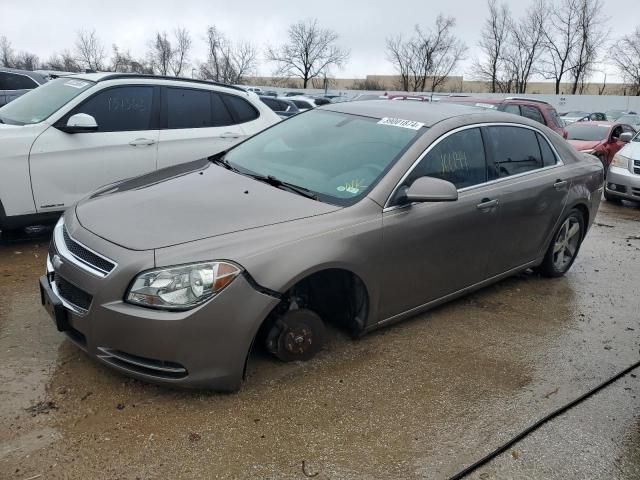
[590, 152]
[182, 287]
[620, 161]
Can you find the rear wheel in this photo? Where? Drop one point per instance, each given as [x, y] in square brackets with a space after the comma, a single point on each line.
[298, 335]
[565, 245]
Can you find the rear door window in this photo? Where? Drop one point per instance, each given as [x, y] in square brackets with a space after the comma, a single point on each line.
[459, 159]
[241, 109]
[221, 114]
[533, 113]
[514, 150]
[120, 109]
[548, 157]
[188, 108]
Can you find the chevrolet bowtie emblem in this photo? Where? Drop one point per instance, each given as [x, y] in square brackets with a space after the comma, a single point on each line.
[57, 262]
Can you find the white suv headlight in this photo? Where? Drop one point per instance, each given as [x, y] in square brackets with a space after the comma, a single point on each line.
[182, 287]
[620, 161]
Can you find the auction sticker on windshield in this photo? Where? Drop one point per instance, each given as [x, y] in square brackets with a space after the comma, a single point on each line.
[76, 83]
[399, 122]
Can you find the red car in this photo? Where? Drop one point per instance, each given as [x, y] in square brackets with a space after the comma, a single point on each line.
[537, 110]
[601, 139]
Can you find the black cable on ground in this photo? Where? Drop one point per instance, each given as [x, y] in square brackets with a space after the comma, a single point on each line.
[539, 423]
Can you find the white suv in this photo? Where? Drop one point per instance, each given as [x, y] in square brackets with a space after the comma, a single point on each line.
[74, 134]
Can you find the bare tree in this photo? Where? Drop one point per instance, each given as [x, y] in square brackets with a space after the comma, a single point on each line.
[524, 46]
[309, 51]
[7, 58]
[627, 59]
[400, 55]
[180, 57]
[427, 58]
[27, 61]
[123, 61]
[160, 53]
[244, 58]
[226, 62]
[64, 62]
[562, 37]
[493, 40]
[592, 34]
[89, 50]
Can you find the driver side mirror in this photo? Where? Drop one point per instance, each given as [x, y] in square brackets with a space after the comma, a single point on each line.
[626, 137]
[80, 122]
[430, 189]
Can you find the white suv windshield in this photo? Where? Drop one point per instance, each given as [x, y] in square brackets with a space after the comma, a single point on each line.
[338, 157]
[40, 103]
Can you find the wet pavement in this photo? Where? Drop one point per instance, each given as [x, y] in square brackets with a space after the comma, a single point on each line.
[421, 399]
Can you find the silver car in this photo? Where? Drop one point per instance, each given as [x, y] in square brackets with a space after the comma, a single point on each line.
[358, 214]
[623, 177]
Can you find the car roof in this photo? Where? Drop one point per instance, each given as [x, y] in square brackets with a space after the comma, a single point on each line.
[423, 112]
[104, 76]
[38, 77]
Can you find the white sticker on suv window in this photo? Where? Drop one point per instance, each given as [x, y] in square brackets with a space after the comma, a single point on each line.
[399, 122]
[76, 83]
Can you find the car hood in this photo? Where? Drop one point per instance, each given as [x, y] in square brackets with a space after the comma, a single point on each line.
[631, 150]
[581, 145]
[189, 202]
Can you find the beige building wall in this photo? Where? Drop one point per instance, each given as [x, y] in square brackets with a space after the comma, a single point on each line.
[453, 84]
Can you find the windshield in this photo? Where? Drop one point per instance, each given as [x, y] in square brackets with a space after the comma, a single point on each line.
[629, 119]
[339, 157]
[587, 133]
[40, 103]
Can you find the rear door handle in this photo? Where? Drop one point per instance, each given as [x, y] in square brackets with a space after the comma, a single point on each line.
[560, 184]
[487, 204]
[138, 142]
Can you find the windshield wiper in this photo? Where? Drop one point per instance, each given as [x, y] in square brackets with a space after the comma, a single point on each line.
[220, 160]
[269, 179]
[276, 182]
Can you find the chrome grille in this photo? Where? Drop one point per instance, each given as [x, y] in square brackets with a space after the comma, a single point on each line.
[86, 256]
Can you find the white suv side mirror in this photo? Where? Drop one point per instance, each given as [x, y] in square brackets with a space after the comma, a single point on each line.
[80, 122]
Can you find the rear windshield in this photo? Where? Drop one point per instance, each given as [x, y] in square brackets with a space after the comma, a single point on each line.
[587, 133]
[42, 102]
[337, 156]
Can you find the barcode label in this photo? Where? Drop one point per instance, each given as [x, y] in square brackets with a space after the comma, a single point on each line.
[399, 122]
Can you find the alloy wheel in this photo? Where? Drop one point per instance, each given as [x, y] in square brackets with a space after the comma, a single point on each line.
[566, 244]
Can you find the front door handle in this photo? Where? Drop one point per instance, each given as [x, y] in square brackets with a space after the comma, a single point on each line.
[487, 204]
[230, 135]
[139, 142]
[560, 184]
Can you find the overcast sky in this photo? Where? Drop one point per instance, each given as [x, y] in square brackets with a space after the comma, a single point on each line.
[47, 26]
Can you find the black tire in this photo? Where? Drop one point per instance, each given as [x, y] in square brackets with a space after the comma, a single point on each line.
[296, 336]
[556, 263]
[612, 198]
